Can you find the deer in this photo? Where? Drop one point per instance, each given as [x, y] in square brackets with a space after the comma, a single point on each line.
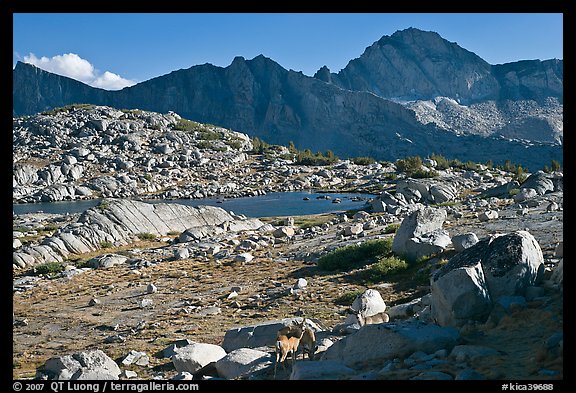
[381, 317]
[287, 341]
[308, 342]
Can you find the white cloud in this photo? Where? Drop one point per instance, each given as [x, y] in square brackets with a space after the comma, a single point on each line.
[111, 81]
[75, 67]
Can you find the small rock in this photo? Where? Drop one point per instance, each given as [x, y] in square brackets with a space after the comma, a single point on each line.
[183, 376]
[284, 232]
[20, 322]
[151, 288]
[301, 283]
[354, 229]
[209, 311]
[146, 303]
[94, 302]
[181, 253]
[135, 357]
[488, 215]
[244, 257]
[117, 338]
[128, 374]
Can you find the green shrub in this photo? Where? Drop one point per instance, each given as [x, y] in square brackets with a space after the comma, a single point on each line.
[356, 255]
[409, 164]
[347, 298]
[422, 174]
[50, 228]
[306, 157]
[259, 146]
[363, 160]
[391, 228]
[441, 161]
[106, 244]
[555, 166]
[49, 268]
[208, 135]
[103, 205]
[204, 145]
[146, 236]
[384, 268]
[471, 166]
[187, 125]
[67, 108]
[292, 147]
[234, 144]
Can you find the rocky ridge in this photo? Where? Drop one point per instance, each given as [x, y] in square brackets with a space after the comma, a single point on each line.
[395, 100]
[85, 152]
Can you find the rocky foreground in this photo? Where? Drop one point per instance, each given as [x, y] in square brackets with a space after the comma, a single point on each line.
[135, 290]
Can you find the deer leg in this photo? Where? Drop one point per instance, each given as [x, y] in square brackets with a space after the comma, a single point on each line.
[276, 362]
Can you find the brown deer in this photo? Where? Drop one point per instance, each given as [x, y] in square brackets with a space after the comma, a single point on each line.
[308, 343]
[381, 317]
[287, 341]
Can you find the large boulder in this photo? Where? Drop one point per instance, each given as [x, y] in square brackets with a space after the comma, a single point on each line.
[464, 241]
[325, 369]
[443, 192]
[540, 181]
[418, 223]
[370, 302]
[500, 191]
[460, 295]
[427, 244]
[285, 231]
[106, 261]
[93, 364]
[258, 335]
[193, 357]
[381, 342]
[468, 285]
[242, 363]
[512, 263]
[525, 194]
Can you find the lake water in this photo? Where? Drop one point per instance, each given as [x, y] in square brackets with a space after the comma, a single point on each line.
[273, 204]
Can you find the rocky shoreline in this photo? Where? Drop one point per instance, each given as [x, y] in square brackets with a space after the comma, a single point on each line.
[93, 152]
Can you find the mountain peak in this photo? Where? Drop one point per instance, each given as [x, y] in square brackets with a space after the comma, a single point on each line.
[415, 33]
[323, 74]
[413, 64]
[238, 59]
[25, 66]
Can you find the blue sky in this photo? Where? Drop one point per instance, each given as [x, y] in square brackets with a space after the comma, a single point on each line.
[114, 50]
